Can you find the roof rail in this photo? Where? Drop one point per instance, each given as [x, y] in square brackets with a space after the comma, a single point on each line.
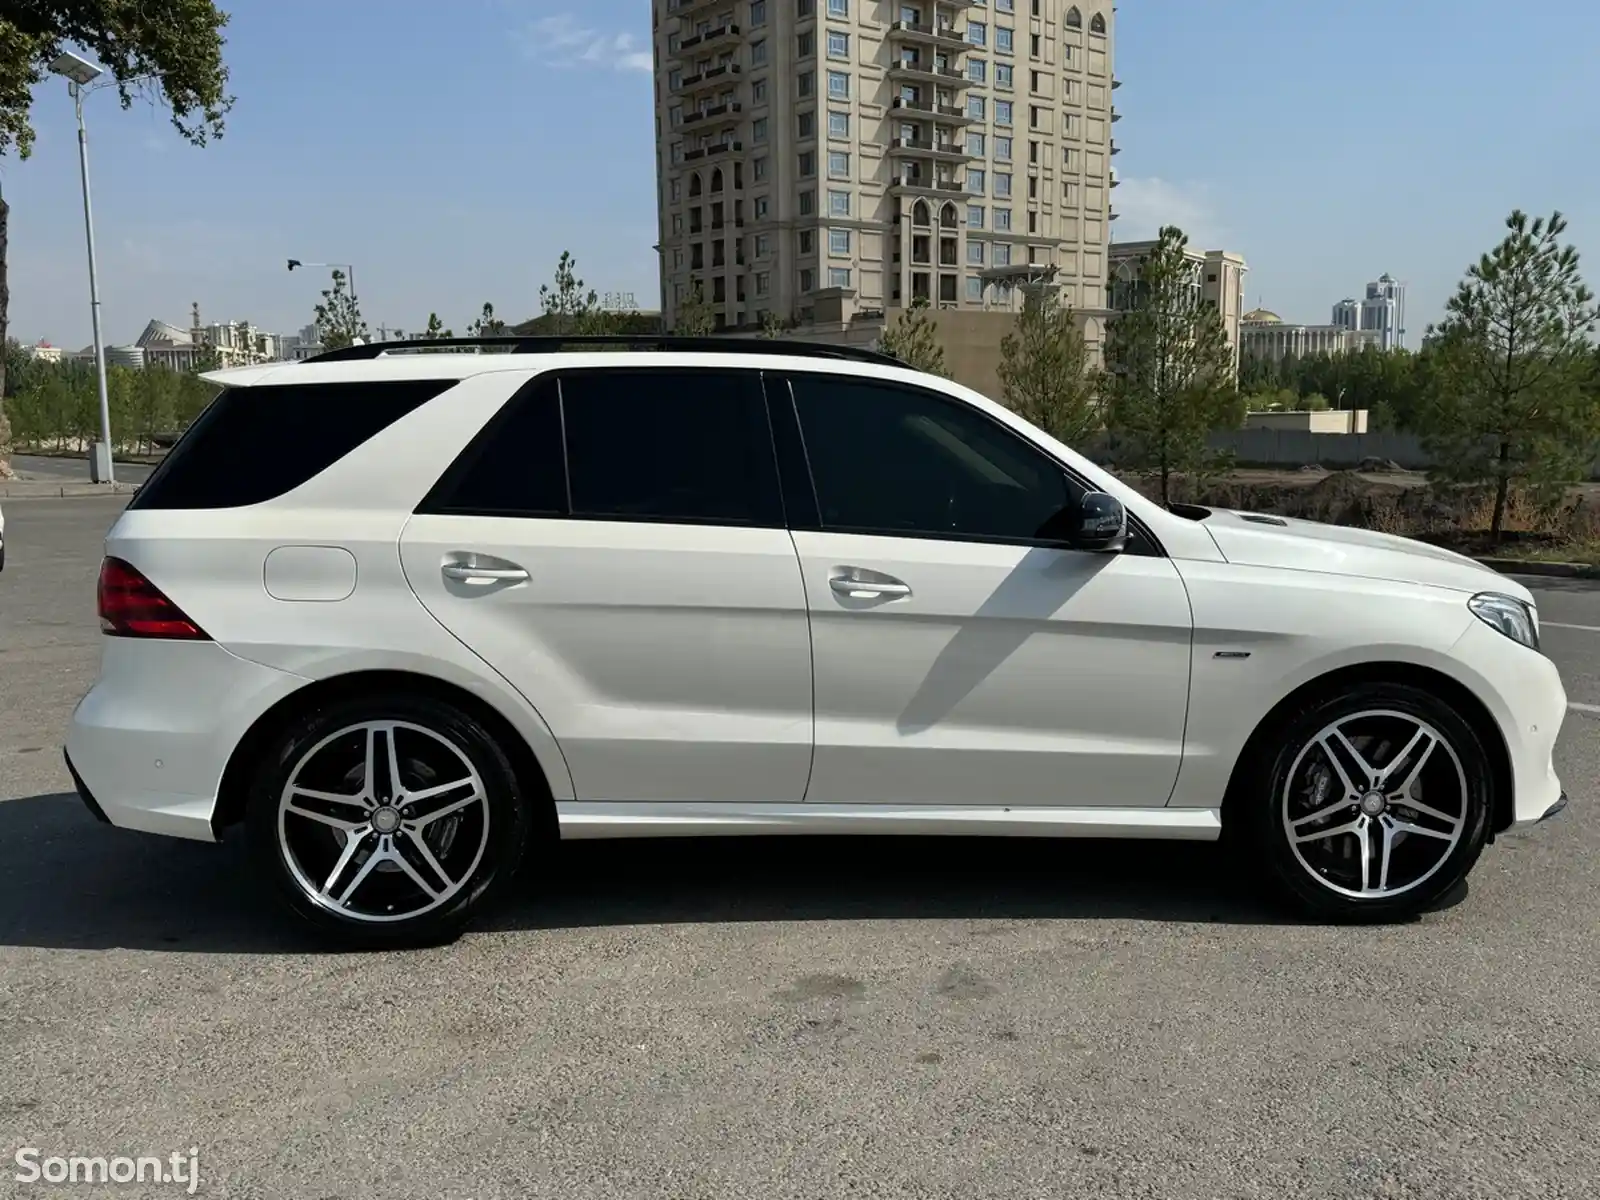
[555, 344]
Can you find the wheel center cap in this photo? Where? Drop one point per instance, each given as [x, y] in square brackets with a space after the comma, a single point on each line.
[1373, 803]
[386, 819]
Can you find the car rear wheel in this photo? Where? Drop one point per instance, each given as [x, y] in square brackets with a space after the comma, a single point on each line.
[1369, 804]
[388, 822]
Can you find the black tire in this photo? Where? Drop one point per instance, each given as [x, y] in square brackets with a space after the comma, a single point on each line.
[1258, 817]
[508, 817]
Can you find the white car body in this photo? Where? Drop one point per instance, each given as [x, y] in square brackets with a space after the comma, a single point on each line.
[697, 679]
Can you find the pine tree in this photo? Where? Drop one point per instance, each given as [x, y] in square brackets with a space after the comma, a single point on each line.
[1044, 369]
[913, 338]
[1511, 367]
[1168, 378]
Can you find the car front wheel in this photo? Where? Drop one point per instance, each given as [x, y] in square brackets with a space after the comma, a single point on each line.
[1372, 803]
[388, 822]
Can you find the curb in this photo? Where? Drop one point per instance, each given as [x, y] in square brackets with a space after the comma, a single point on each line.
[38, 489]
[1554, 570]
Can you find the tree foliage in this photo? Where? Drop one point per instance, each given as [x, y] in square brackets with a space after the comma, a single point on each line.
[1168, 378]
[486, 324]
[1389, 384]
[1044, 369]
[56, 406]
[913, 338]
[771, 324]
[169, 52]
[435, 329]
[1511, 400]
[570, 306]
[695, 316]
[339, 320]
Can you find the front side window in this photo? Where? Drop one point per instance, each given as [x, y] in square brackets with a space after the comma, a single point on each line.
[894, 460]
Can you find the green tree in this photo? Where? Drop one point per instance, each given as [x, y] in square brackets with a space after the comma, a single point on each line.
[913, 338]
[1044, 369]
[175, 56]
[487, 324]
[695, 316]
[1510, 401]
[569, 305]
[771, 324]
[1168, 379]
[435, 329]
[339, 320]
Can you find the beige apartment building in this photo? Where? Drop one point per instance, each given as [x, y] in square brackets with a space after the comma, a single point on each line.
[828, 161]
[1218, 279]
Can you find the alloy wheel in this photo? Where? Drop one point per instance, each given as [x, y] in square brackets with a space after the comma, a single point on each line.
[1375, 804]
[383, 821]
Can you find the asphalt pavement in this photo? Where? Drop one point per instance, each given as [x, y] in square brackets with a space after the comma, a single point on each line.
[73, 470]
[804, 1018]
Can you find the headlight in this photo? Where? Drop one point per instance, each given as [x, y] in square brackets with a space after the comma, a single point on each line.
[1508, 615]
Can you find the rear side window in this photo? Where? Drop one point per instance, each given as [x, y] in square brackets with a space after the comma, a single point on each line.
[670, 445]
[514, 467]
[630, 444]
[253, 444]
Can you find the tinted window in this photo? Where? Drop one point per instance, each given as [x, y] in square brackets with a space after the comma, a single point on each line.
[889, 459]
[253, 444]
[514, 466]
[670, 445]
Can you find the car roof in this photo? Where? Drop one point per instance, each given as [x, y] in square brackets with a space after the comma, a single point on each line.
[465, 366]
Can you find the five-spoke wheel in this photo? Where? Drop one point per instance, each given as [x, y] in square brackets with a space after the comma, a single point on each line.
[388, 821]
[1379, 801]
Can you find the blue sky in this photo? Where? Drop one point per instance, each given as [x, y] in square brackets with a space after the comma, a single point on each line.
[452, 158]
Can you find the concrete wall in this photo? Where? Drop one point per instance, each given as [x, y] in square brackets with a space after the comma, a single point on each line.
[1298, 448]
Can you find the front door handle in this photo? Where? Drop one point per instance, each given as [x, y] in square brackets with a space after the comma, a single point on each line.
[466, 574]
[860, 584]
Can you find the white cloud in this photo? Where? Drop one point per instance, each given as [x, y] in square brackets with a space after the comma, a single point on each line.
[1146, 204]
[561, 41]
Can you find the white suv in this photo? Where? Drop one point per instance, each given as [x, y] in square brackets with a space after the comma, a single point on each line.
[408, 616]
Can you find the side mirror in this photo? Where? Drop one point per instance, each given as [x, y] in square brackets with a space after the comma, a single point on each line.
[1100, 524]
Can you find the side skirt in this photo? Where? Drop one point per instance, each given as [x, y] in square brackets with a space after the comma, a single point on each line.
[581, 819]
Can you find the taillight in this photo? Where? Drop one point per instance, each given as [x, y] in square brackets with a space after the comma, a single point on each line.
[132, 606]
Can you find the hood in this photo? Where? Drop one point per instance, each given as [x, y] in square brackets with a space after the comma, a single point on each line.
[1264, 540]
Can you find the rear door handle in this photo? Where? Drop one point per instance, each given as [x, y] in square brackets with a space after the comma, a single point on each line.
[860, 584]
[466, 574]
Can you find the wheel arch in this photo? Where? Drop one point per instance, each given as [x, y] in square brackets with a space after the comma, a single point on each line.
[233, 791]
[1460, 697]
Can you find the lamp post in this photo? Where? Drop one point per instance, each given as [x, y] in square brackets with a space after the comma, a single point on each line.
[79, 73]
[348, 269]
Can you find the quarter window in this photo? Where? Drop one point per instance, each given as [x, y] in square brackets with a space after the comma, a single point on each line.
[900, 461]
[253, 444]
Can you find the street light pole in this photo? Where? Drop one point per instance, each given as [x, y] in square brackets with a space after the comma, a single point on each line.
[79, 73]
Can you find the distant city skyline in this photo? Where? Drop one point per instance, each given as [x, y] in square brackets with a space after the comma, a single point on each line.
[441, 210]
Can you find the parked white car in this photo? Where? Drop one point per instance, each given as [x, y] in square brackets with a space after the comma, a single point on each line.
[405, 616]
[2, 539]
